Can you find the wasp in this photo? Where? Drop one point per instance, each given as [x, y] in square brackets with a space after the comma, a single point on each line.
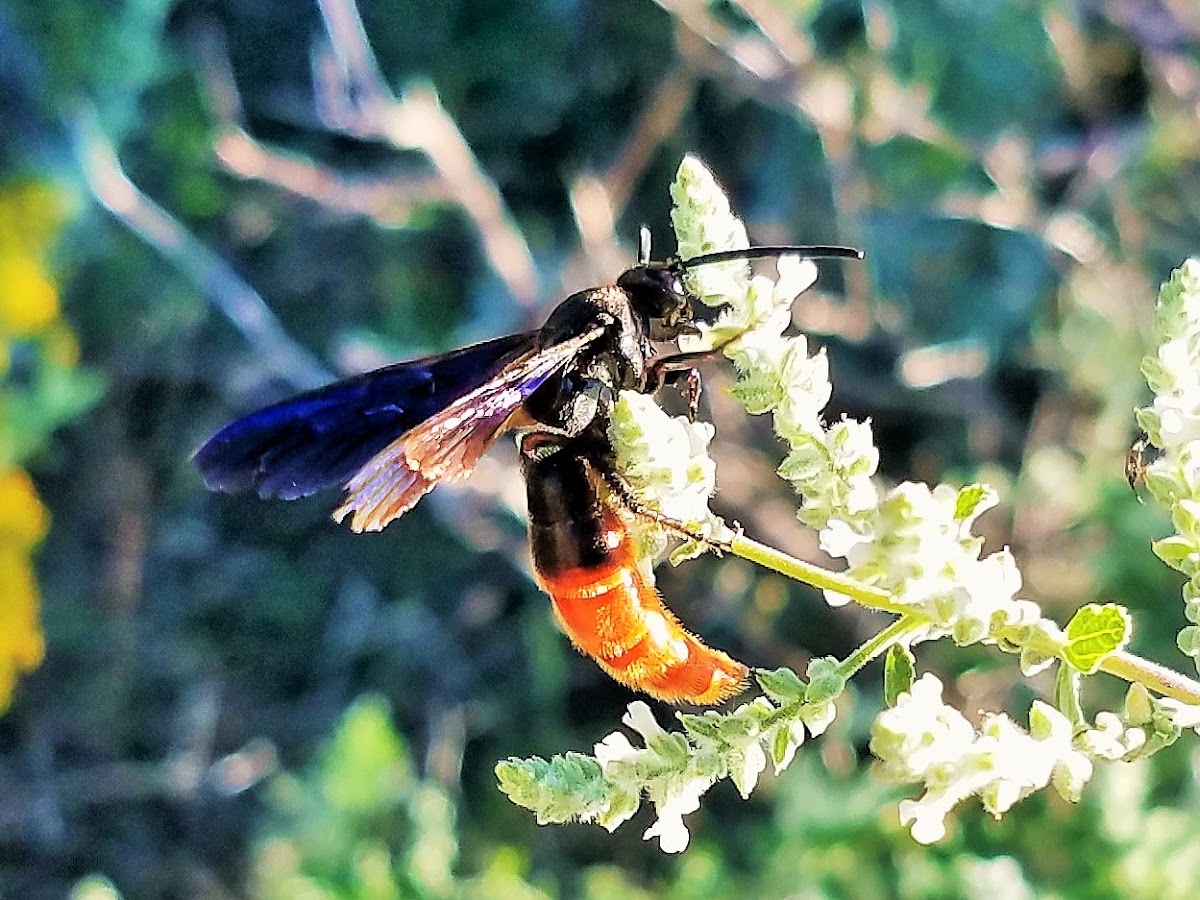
[389, 436]
[1142, 453]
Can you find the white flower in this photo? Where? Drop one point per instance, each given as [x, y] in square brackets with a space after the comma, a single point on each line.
[639, 717]
[806, 389]
[921, 739]
[1110, 739]
[665, 460]
[752, 309]
[920, 733]
[746, 764]
[674, 787]
[796, 275]
[703, 223]
[1072, 769]
[917, 544]
[1173, 372]
[818, 717]
[792, 743]
[672, 834]
[1181, 715]
[762, 310]
[1173, 423]
[926, 817]
[832, 470]
[614, 748]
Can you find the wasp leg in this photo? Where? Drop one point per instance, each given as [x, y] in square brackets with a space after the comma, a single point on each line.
[624, 492]
[671, 370]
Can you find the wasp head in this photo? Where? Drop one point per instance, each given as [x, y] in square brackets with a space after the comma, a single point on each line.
[657, 295]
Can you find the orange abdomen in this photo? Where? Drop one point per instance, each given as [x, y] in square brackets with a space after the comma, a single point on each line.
[586, 563]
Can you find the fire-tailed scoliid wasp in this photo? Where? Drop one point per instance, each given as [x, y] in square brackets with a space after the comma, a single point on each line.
[391, 435]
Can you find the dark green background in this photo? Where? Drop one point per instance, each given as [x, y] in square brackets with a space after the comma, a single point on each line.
[960, 143]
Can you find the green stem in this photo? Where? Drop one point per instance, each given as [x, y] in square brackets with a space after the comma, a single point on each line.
[799, 570]
[879, 644]
[1151, 675]
[1124, 665]
[1127, 666]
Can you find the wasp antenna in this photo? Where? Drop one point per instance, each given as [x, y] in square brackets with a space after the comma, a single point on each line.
[643, 246]
[811, 252]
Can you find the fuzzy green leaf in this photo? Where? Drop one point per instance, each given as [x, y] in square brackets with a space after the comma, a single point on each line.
[1173, 550]
[781, 685]
[968, 501]
[560, 789]
[826, 680]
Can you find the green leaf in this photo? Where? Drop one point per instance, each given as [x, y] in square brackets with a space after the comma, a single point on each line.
[781, 685]
[968, 500]
[701, 726]
[1139, 705]
[1035, 660]
[780, 746]
[1173, 550]
[899, 673]
[758, 392]
[1066, 695]
[560, 789]
[366, 767]
[808, 459]
[826, 680]
[1094, 633]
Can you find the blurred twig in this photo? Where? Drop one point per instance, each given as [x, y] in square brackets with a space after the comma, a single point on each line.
[792, 44]
[597, 201]
[355, 99]
[658, 121]
[599, 253]
[782, 68]
[388, 200]
[214, 277]
[757, 57]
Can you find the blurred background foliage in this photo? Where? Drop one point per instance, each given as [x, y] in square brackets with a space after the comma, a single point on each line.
[207, 204]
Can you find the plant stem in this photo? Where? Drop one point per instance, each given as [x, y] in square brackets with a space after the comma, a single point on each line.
[1151, 675]
[798, 570]
[878, 644]
[1127, 666]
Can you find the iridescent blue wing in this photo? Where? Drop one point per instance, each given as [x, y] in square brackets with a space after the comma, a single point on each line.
[320, 439]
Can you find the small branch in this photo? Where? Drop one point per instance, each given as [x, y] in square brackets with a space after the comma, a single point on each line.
[879, 643]
[214, 277]
[777, 27]
[757, 56]
[600, 253]
[798, 570]
[1151, 675]
[390, 202]
[358, 101]
[1127, 666]
[659, 121]
[420, 113]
